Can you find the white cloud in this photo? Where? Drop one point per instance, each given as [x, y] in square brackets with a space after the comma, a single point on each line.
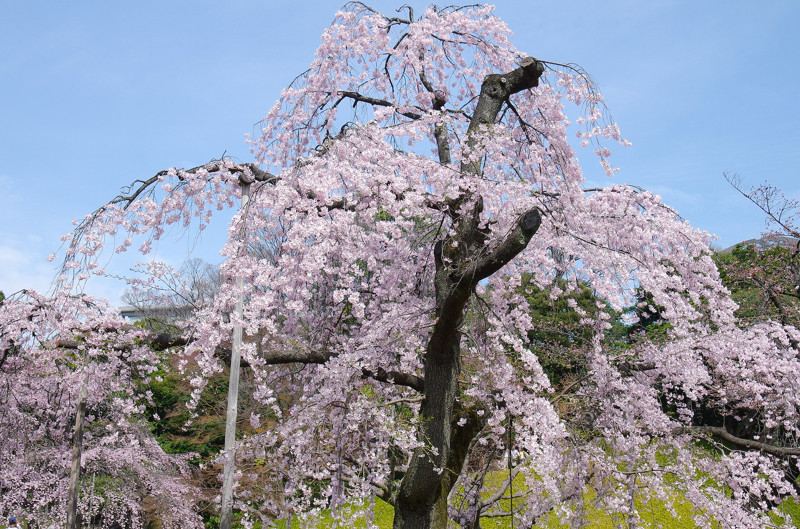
[21, 269]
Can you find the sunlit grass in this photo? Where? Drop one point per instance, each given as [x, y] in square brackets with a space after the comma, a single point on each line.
[653, 514]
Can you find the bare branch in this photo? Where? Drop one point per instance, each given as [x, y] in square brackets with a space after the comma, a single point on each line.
[360, 98]
[771, 201]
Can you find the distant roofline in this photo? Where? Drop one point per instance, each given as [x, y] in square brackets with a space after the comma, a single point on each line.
[766, 243]
[133, 313]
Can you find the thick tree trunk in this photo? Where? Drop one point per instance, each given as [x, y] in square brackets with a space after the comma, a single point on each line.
[422, 500]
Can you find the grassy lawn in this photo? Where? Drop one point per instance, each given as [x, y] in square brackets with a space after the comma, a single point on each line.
[654, 513]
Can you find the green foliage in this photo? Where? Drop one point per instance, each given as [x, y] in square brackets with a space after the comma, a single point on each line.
[383, 215]
[559, 337]
[764, 283]
[383, 513]
[746, 294]
[205, 435]
[791, 508]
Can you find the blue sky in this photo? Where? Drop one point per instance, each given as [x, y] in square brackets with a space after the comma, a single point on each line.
[94, 95]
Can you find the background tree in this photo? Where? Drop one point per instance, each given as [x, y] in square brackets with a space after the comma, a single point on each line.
[766, 278]
[165, 297]
[764, 282]
[409, 182]
[52, 350]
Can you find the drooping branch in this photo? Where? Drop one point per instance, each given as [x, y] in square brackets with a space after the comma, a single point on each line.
[722, 433]
[247, 172]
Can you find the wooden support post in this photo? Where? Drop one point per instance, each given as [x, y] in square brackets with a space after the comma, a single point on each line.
[226, 515]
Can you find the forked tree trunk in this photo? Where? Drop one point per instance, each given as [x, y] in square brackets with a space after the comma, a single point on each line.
[462, 260]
